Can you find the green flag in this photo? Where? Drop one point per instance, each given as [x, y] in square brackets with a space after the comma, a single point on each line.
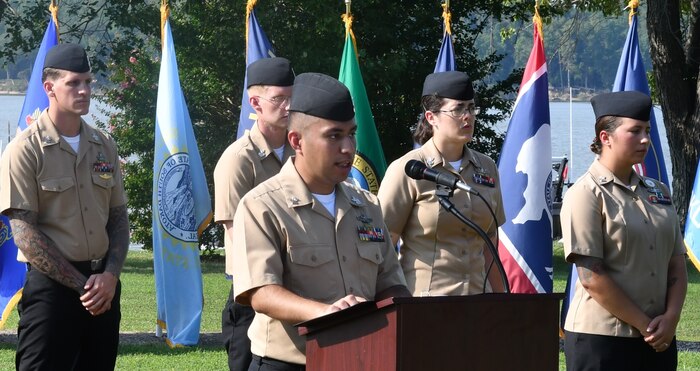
[369, 165]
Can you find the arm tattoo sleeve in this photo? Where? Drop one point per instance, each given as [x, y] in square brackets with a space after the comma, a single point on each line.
[588, 266]
[41, 252]
[118, 232]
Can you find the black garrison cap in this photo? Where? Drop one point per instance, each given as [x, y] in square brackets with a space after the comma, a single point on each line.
[275, 71]
[632, 104]
[69, 57]
[322, 96]
[450, 84]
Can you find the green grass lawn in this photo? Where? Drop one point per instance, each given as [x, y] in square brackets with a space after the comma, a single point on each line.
[139, 315]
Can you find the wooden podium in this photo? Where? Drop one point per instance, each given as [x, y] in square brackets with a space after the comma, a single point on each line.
[479, 332]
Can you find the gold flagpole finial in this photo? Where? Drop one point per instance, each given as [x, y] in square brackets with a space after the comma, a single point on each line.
[632, 6]
[347, 18]
[447, 16]
[164, 14]
[537, 20]
[53, 8]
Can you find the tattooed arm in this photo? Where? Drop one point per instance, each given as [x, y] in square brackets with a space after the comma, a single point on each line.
[41, 252]
[118, 232]
[594, 278]
[101, 288]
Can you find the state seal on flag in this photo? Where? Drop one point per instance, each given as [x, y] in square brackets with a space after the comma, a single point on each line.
[175, 198]
[363, 174]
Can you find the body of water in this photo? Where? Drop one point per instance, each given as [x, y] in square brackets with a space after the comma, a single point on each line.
[582, 130]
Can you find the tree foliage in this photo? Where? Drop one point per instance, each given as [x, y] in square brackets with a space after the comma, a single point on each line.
[398, 44]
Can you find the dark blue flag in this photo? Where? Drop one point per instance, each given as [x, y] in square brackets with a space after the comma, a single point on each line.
[257, 47]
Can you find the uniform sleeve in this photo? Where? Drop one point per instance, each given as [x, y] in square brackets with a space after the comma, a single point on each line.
[678, 243]
[397, 197]
[390, 271]
[233, 178]
[18, 179]
[498, 198]
[258, 262]
[581, 222]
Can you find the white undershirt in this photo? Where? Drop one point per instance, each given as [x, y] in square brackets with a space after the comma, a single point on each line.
[73, 141]
[328, 201]
[279, 152]
[456, 164]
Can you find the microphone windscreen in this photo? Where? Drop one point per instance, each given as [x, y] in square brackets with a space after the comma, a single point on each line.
[415, 169]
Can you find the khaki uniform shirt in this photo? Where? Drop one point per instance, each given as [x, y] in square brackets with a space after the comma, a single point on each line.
[288, 238]
[634, 230]
[246, 163]
[72, 193]
[440, 255]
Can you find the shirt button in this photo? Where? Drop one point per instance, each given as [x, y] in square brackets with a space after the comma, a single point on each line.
[376, 256]
[85, 208]
[653, 274]
[651, 247]
[89, 232]
[345, 258]
[646, 221]
[352, 290]
[313, 258]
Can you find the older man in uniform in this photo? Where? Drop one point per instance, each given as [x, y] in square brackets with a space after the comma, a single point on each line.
[250, 160]
[310, 243]
[61, 187]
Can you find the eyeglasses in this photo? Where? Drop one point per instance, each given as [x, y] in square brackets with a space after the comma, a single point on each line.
[460, 112]
[280, 100]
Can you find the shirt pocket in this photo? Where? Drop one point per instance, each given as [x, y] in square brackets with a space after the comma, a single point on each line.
[58, 198]
[102, 191]
[310, 275]
[370, 261]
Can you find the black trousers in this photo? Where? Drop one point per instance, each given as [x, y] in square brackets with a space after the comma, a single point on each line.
[269, 364]
[57, 333]
[235, 321]
[587, 352]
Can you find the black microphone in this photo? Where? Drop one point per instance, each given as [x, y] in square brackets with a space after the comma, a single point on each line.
[419, 171]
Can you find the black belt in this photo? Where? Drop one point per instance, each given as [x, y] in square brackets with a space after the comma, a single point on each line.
[281, 365]
[85, 267]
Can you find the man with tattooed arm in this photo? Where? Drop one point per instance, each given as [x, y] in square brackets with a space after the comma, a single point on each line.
[61, 187]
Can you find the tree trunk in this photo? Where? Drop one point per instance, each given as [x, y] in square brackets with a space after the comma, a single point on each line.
[675, 68]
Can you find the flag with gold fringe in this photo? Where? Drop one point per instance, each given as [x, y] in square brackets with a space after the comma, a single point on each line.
[181, 205]
[369, 165]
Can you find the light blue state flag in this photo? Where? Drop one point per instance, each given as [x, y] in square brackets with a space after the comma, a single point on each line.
[11, 271]
[181, 208]
[632, 76]
[36, 100]
[257, 47]
[692, 224]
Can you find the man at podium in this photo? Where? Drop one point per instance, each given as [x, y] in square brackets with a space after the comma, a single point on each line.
[312, 244]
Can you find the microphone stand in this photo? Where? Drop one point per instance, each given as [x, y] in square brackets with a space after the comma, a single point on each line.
[443, 194]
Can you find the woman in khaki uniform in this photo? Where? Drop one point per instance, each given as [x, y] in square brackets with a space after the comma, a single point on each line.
[439, 254]
[622, 232]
